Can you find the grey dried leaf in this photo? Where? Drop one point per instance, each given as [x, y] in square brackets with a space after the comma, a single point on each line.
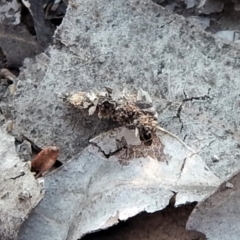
[175, 166]
[109, 90]
[117, 95]
[17, 44]
[12, 89]
[10, 12]
[42, 26]
[217, 216]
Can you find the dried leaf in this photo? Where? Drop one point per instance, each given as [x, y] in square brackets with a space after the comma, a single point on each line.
[44, 160]
[218, 215]
[42, 26]
[17, 44]
[15, 181]
[102, 94]
[175, 166]
[10, 12]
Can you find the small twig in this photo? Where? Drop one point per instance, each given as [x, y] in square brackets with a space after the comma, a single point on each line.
[176, 137]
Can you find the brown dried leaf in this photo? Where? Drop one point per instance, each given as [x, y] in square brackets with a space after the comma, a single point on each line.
[44, 160]
[17, 44]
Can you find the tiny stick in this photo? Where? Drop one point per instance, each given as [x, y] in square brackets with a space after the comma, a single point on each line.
[176, 137]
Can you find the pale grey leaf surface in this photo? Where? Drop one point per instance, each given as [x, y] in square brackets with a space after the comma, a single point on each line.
[96, 190]
[218, 216]
[19, 191]
[192, 78]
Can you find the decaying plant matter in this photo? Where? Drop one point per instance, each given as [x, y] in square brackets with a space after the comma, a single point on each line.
[129, 110]
[125, 109]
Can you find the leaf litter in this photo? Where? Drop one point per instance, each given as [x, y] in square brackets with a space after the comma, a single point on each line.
[139, 137]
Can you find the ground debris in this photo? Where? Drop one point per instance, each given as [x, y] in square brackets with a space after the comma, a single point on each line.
[126, 109]
[134, 111]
